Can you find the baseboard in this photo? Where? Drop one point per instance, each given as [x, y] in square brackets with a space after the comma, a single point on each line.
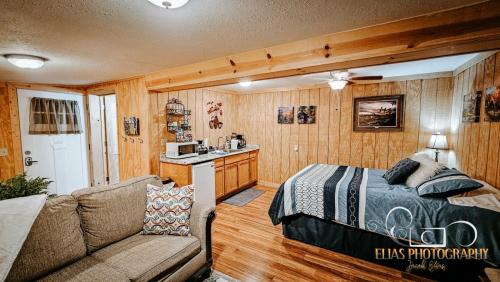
[268, 184]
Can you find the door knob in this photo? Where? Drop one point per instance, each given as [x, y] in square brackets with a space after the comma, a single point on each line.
[28, 161]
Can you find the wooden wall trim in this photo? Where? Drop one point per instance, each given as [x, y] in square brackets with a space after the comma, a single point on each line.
[466, 29]
[49, 87]
[15, 130]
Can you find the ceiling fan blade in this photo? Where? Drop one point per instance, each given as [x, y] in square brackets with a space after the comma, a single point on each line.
[367, 77]
[350, 82]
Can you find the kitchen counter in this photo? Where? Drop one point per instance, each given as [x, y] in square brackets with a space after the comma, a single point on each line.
[206, 157]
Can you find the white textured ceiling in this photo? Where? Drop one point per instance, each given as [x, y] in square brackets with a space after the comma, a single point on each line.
[389, 71]
[97, 40]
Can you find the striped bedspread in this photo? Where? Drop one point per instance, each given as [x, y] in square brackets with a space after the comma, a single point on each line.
[328, 192]
[362, 198]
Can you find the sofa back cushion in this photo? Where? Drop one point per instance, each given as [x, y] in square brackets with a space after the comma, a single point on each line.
[112, 213]
[55, 240]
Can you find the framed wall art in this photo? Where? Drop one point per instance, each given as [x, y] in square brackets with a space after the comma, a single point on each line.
[378, 113]
[492, 104]
[285, 115]
[471, 107]
[306, 115]
[131, 126]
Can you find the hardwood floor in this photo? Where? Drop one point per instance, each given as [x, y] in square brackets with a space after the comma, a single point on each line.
[248, 247]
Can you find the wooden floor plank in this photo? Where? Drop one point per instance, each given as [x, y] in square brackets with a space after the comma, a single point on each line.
[248, 247]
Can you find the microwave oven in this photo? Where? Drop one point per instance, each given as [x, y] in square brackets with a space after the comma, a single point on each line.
[181, 150]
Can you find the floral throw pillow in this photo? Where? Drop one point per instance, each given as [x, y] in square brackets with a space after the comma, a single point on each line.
[168, 210]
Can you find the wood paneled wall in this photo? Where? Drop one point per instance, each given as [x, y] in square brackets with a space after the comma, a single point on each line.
[7, 162]
[477, 144]
[287, 148]
[196, 101]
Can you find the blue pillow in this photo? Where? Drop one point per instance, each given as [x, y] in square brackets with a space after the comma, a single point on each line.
[447, 183]
[400, 171]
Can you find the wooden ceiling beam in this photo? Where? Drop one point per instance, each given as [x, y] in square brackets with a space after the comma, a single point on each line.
[467, 29]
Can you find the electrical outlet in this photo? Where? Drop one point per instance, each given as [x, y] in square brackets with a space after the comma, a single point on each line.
[3, 152]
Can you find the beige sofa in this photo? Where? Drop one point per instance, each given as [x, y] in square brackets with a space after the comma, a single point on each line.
[94, 235]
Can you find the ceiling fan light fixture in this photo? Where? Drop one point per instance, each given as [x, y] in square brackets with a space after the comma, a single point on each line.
[169, 4]
[25, 61]
[337, 84]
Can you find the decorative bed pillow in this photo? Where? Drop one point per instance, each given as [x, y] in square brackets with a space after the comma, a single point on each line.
[427, 169]
[447, 183]
[400, 171]
[168, 210]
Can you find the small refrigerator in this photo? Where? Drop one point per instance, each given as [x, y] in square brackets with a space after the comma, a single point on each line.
[204, 183]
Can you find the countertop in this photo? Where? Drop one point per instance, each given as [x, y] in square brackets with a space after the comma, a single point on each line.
[206, 157]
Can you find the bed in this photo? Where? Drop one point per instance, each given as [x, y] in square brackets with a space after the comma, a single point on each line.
[355, 211]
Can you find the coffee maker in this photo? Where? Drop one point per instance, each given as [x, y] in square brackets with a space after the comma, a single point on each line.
[242, 143]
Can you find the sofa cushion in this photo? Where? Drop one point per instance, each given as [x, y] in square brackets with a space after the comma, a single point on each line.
[111, 213]
[168, 210]
[55, 240]
[143, 257]
[86, 269]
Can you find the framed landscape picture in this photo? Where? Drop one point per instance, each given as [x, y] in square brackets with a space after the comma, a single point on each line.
[285, 115]
[472, 107]
[306, 115]
[378, 113]
[492, 104]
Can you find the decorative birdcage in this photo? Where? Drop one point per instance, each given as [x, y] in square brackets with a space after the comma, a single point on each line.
[178, 120]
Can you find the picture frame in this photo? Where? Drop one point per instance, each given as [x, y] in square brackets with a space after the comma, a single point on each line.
[286, 115]
[131, 126]
[492, 104]
[471, 109]
[378, 113]
[306, 115]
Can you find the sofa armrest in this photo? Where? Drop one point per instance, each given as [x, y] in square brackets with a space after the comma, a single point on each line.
[200, 224]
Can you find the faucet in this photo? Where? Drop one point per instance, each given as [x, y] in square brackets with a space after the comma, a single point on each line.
[223, 141]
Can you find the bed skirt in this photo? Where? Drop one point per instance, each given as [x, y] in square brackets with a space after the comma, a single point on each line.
[363, 244]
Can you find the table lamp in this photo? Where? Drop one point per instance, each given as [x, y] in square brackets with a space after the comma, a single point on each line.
[437, 142]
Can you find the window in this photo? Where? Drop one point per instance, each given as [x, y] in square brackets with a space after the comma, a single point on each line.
[51, 116]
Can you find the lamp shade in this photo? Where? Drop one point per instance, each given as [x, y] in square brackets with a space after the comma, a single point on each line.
[438, 141]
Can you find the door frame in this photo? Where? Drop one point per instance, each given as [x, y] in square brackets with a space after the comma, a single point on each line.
[12, 89]
[98, 92]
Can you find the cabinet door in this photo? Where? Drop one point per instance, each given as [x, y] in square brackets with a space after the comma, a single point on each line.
[219, 182]
[243, 173]
[253, 169]
[231, 178]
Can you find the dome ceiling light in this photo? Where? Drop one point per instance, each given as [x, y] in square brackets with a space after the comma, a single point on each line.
[169, 4]
[25, 61]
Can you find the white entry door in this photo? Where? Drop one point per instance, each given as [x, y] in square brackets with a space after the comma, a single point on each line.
[62, 158]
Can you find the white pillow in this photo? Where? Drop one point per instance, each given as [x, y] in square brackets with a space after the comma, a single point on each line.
[427, 169]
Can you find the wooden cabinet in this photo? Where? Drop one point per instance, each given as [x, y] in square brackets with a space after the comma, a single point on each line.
[232, 173]
[253, 169]
[219, 181]
[243, 173]
[230, 178]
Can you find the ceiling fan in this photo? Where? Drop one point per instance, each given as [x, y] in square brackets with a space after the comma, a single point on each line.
[339, 79]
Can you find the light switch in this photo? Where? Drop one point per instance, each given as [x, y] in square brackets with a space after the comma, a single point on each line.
[3, 152]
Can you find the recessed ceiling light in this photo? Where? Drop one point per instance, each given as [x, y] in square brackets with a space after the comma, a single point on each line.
[245, 83]
[25, 61]
[169, 4]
